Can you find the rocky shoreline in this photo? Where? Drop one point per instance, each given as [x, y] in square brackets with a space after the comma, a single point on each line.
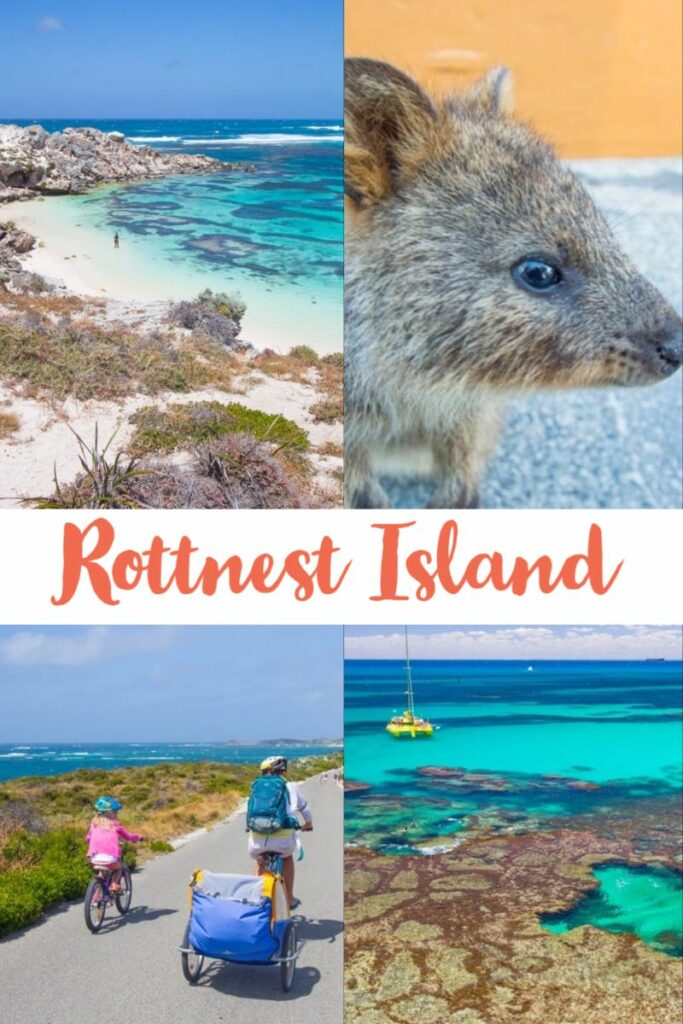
[458, 937]
[36, 162]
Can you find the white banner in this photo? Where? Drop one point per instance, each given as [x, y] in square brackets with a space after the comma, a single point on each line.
[379, 567]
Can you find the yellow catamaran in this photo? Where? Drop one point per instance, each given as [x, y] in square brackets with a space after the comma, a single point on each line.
[409, 724]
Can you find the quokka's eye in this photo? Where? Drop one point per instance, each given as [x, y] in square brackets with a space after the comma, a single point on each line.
[537, 275]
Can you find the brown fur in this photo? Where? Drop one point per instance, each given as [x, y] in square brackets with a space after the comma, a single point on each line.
[443, 199]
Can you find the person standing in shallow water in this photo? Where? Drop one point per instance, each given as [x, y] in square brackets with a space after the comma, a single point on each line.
[116, 239]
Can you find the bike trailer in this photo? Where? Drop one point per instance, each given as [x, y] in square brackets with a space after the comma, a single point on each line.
[241, 918]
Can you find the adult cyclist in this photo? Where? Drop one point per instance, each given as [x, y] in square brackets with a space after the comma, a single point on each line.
[281, 840]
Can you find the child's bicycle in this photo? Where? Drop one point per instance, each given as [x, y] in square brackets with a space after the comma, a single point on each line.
[99, 895]
[243, 919]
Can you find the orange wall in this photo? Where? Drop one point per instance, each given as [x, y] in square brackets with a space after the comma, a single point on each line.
[597, 77]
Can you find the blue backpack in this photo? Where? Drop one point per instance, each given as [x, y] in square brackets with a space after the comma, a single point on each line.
[267, 805]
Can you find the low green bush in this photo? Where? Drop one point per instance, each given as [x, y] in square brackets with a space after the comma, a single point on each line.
[304, 354]
[50, 868]
[160, 846]
[195, 423]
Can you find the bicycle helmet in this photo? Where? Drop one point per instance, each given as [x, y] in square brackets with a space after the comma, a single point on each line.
[274, 764]
[107, 803]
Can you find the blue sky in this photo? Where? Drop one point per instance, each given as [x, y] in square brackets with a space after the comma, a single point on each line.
[523, 642]
[170, 684]
[209, 58]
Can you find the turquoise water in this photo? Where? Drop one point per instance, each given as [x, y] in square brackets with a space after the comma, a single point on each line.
[274, 234]
[615, 725]
[20, 760]
[647, 902]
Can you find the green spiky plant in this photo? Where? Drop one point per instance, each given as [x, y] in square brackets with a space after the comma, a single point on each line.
[103, 483]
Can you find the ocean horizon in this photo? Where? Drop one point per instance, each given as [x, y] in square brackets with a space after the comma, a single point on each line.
[554, 739]
[18, 760]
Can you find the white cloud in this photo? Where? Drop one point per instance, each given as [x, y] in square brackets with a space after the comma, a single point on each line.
[26, 647]
[48, 23]
[523, 642]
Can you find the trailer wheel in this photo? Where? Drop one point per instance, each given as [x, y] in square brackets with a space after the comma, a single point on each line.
[288, 949]
[192, 962]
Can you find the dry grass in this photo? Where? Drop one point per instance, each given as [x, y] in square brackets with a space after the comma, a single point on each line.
[87, 361]
[330, 448]
[328, 410]
[46, 305]
[9, 424]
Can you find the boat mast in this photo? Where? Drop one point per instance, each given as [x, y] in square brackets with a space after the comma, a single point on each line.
[409, 691]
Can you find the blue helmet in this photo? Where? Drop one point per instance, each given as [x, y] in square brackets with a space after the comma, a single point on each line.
[107, 803]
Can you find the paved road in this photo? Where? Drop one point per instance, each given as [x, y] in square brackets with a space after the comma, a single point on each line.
[58, 973]
[603, 448]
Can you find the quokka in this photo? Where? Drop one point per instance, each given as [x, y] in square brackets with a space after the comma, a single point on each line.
[476, 265]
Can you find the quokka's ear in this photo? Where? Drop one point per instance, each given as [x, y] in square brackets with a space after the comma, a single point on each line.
[493, 93]
[388, 120]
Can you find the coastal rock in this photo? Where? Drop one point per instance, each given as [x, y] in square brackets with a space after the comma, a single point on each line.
[14, 240]
[460, 777]
[352, 788]
[34, 161]
[482, 953]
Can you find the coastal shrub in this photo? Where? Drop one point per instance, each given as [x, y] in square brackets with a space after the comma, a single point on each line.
[328, 410]
[39, 872]
[160, 846]
[85, 363]
[18, 814]
[230, 471]
[235, 471]
[217, 316]
[231, 306]
[304, 354]
[185, 426]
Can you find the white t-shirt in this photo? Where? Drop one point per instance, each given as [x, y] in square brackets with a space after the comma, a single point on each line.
[296, 802]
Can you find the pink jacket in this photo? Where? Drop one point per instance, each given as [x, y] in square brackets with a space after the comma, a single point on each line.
[106, 840]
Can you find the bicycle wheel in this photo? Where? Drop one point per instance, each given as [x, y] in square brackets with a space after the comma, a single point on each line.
[288, 950]
[95, 905]
[124, 897]
[192, 962]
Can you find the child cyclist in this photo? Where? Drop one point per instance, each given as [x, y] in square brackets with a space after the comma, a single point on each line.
[103, 838]
[279, 822]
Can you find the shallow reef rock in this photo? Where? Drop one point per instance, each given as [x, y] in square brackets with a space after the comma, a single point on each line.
[34, 161]
[457, 937]
[351, 787]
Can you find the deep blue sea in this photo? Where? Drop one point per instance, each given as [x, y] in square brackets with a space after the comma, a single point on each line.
[275, 236]
[614, 725]
[18, 760]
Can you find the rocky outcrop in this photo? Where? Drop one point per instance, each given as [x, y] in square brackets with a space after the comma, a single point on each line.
[14, 243]
[34, 161]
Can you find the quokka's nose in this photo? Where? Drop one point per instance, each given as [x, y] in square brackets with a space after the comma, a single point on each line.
[665, 343]
[669, 345]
